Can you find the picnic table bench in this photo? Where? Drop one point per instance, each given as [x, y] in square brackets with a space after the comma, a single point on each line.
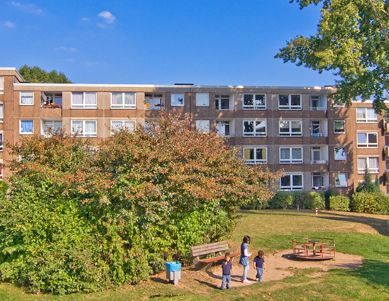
[213, 248]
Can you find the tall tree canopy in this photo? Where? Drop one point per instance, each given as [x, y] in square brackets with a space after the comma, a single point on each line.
[352, 39]
[38, 75]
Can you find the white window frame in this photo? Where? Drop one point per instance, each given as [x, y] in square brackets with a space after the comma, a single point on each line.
[122, 105]
[254, 106]
[123, 121]
[366, 119]
[218, 99]
[174, 97]
[51, 120]
[20, 127]
[202, 129]
[224, 121]
[291, 160]
[368, 145]
[344, 126]
[254, 133]
[340, 185]
[83, 134]
[289, 106]
[2, 112]
[316, 174]
[344, 149]
[290, 133]
[255, 160]
[31, 93]
[1, 141]
[366, 158]
[83, 105]
[1, 84]
[202, 99]
[292, 187]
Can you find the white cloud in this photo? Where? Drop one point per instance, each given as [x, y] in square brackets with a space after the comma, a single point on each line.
[27, 7]
[84, 19]
[8, 24]
[66, 49]
[107, 19]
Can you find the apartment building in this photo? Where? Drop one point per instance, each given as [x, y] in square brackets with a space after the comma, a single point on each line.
[298, 130]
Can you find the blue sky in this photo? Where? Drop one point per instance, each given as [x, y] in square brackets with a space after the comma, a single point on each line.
[158, 41]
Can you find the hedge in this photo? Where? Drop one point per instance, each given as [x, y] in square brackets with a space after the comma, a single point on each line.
[339, 203]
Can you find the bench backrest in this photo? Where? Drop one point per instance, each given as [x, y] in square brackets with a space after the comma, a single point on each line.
[210, 248]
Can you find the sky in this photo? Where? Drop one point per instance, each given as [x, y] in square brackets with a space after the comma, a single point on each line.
[209, 42]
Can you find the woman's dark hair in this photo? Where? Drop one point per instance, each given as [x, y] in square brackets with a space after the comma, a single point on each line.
[246, 239]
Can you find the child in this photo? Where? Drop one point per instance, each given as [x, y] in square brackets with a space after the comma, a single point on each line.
[259, 261]
[226, 271]
[244, 257]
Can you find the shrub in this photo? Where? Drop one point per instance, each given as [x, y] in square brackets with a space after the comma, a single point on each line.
[75, 220]
[281, 200]
[314, 200]
[339, 203]
[370, 202]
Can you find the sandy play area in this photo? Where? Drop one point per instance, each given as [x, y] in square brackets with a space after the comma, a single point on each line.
[277, 267]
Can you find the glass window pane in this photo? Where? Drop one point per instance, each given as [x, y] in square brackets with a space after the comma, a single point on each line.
[248, 126]
[202, 99]
[283, 100]
[261, 153]
[90, 127]
[260, 126]
[1, 111]
[340, 153]
[129, 99]
[373, 163]
[372, 138]
[371, 114]
[361, 113]
[296, 126]
[117, 99]
[361, 164]
[284, 126]
[285, 181]
[260, 100]
[248, 100]
[26, 126]
[285, 153]
[295, 100]
[248, 154]
[177, 100]
[90, 98]
[76, 126]
[27, 98]
[297, 180]
[297, 153]
[361, 138]
[77, 98]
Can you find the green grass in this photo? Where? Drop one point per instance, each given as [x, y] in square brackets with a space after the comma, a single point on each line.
[366, 235]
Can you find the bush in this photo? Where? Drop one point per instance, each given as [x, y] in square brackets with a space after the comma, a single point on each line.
[370, 202]
[339, 203]
[74, 220]
[281, 200]
[315, 200]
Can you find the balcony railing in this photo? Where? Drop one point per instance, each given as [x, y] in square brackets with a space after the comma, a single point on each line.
[319, 134]
[318, 161]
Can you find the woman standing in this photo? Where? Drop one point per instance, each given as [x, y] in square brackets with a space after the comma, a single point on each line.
[244, 257]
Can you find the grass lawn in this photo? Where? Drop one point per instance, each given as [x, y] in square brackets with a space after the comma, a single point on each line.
[360, 234]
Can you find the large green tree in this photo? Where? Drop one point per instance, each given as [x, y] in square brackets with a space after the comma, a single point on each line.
[34, 74]
[352, 40]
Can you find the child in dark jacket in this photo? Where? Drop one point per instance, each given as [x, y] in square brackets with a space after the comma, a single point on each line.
[226, 271]
[259, 262]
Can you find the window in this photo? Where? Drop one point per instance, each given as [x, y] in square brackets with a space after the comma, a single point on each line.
[51, 126]
[26, 98]
[1, 112]
[254, 102]
[84, 128]
[341, 180]
[339, 127]
[291, 182]
[340, 153]
[202, 126]
[369, 164]
[291, 155]
[366, 139]
[123, 100]
[289, 102]
[124, 124]
[255, 155]
[153, 101]
[177, 100]
[316, 154]
[366, 115]
[254, 128]
[290, 128]
[26, 127]
[315, 128]
[51, 100]
[84, 100]
[223, 128]
[1, 140]
[222, 102]
[1, 83]
[317, 180]
[202, 99]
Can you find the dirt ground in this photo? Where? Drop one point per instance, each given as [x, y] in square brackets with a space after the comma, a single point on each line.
[277, 267]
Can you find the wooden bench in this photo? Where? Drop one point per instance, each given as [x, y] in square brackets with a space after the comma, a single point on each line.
[207, 249]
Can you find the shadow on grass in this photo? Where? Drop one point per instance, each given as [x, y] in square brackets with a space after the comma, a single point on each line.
[375, 272]
[378, 224]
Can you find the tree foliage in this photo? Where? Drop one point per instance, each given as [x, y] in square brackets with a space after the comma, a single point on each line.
[36, 74]
[80, 219]
[352, 40]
